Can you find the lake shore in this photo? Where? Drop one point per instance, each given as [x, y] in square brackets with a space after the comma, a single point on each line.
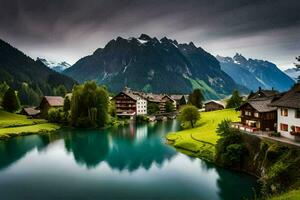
[200, 142]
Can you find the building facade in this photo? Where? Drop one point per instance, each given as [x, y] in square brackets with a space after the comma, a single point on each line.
[288, 111]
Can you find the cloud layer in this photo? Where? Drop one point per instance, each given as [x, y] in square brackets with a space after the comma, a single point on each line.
[70, 29]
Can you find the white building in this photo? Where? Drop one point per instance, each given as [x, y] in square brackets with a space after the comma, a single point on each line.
[141, 105]
[288, 113]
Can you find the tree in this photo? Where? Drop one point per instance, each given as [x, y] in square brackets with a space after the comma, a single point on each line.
[235, 100]
[28, 96]
[3, 88]
[169, 106]
[190, 114]
[196, 98]
[11, 101]
[60, 91]
[89, 105]
[67, 104]
[298, 66]
[152, 108]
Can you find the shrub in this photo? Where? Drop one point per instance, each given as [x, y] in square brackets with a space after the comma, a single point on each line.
[55, 115]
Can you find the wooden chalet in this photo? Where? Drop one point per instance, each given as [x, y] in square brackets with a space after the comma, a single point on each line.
[257, 115]
[213, 105]
[50, 102]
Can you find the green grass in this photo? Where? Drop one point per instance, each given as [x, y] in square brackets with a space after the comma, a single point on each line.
[14, 124]
[201, 141]
[13, 120]
[292, 195]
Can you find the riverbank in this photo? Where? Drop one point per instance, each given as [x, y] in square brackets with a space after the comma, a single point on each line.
[12, 125]
[275, 163]
[200, 141]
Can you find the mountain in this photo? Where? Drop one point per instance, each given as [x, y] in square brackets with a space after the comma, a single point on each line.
[253, 73]
[16, 68]
[56, 66]
[294, 73]
[152, 65]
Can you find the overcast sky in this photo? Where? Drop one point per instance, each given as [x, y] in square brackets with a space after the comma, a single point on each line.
[66, 30]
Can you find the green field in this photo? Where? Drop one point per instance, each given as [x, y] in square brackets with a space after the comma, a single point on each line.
[14, 124]
[292, 195]
[201, 141]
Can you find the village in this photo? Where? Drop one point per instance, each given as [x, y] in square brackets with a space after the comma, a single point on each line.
[264, 112]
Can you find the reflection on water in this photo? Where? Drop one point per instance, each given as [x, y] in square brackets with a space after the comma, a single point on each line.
[130, 162]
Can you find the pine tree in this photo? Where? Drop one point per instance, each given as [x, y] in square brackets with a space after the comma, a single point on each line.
[11, 102]
[196, 98]
[235, 100]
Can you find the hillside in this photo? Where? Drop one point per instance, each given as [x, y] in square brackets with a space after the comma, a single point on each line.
[253, 73]
[17, 68]
[152, 65]
[294, 73]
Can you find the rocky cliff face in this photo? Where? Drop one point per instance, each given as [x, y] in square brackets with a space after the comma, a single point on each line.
[253, 73]
[152, 65]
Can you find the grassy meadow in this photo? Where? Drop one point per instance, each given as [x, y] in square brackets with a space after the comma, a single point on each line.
[14, 124]
[201, 140]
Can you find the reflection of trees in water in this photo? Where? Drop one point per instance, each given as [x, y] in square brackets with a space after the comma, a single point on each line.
[131, 147]
[88, 149]
[132, 156]
[14, 149]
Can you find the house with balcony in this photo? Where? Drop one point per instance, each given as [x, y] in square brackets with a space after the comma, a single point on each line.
[129, 103]
[288, 112]
[257, 116]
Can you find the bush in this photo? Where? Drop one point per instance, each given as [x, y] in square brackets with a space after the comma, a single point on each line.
[55, 115]
[141, 119]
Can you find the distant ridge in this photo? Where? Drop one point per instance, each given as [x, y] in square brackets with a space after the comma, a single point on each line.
[253, 73]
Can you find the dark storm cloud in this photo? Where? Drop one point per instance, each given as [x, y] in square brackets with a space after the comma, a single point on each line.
[36, 22]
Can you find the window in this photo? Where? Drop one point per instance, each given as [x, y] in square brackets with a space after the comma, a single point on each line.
[256, 114]
[247, 113]
[297, 113]
[284, 127]
[284, 112]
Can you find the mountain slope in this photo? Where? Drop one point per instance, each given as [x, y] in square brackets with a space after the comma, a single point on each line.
[56, 66]
[153, 65]
[294, 73]
[16, 68]
[253, 73]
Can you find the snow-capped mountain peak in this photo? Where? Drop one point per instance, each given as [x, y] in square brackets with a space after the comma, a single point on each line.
[56, 66]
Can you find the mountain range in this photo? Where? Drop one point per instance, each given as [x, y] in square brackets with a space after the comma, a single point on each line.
[17, 68]
[254, 73]
[294, 73]
[56, 66]
[152, 65]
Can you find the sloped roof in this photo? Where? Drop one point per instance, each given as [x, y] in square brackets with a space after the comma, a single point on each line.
[177, 97]
[291, 99]
[263, 93]
[261, 105]
[32, 111]
[54, 100]
[217, 102]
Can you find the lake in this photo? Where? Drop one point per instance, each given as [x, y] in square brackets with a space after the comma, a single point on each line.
[131, 162]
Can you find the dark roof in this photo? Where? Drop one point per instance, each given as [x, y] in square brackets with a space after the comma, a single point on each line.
[177, 97]
[263, 93]
[215, 102]
[260, 105]
[54, 100]
[32, 111]
[291, 99]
